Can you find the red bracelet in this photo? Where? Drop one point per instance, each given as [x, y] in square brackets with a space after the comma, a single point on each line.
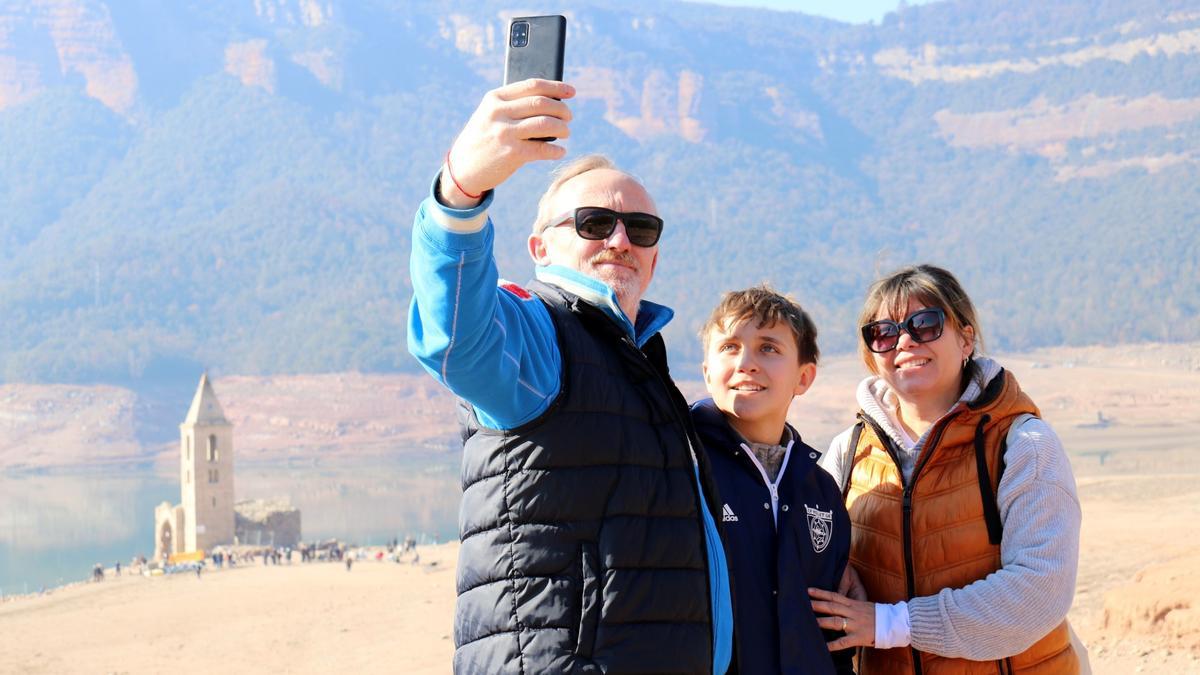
[450, 172]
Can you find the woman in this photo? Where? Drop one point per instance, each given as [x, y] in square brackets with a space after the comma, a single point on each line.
[965, 516]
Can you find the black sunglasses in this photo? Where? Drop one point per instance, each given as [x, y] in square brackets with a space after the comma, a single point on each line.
[924, 325]
[596, 223]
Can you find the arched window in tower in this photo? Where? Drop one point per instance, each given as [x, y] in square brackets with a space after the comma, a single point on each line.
[188, 455]
[212, 448]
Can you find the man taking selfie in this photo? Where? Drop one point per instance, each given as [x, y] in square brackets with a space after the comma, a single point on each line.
[588, 542]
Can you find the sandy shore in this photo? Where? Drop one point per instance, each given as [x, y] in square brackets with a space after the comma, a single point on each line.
[380, 617]
[388, 617]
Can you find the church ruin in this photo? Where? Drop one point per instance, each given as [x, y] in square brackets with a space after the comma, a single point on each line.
[204, 517]
[207, 515]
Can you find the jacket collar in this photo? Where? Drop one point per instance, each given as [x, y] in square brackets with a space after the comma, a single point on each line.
[713, 426]
[651, 317]
[875, 397]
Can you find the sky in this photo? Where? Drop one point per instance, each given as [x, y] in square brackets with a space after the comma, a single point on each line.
[850, 11]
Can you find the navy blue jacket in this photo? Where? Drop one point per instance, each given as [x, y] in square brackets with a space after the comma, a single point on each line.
[771, 566]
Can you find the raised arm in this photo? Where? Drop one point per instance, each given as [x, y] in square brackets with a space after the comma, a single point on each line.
[494, 347]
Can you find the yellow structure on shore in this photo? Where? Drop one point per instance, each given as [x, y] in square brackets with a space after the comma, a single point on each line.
[204, 518]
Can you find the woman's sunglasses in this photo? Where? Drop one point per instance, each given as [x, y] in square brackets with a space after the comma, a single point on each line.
[596, 223]
[924, 325]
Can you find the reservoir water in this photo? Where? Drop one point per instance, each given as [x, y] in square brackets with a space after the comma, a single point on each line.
[55, 526]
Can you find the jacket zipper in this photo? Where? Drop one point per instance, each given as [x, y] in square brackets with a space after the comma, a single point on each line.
[926, 452]
[772, 488]
[774, 505]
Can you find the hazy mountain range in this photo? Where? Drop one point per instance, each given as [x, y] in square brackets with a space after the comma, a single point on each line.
[230, 183]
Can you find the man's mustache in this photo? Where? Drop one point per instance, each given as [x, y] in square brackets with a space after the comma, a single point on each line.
[618, 257]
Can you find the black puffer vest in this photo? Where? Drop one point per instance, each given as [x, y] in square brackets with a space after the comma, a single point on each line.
[582, 541]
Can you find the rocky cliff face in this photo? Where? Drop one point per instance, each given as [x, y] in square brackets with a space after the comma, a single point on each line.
[308, 13]
[655, 103]
[249, 63]
[1092, 122]
[643, 103]
[82, 40]
[48, 43]
[1085, 136]
[70, 39]
[73, 39]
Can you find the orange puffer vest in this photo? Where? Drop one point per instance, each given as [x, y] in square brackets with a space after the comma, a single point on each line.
[943, 529]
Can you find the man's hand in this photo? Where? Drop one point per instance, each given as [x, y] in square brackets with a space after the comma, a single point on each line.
[497, 140]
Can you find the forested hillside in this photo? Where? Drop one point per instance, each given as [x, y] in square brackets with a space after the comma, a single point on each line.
[230, 183]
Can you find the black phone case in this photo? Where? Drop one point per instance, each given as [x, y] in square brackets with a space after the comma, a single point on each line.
[543, 56]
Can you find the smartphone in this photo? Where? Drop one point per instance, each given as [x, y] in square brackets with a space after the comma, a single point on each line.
[535, 49]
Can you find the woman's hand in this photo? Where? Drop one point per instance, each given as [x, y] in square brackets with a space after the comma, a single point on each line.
[851, 586]
[855, 618]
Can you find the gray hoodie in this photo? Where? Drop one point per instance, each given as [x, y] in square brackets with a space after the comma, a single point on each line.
[1004, 613]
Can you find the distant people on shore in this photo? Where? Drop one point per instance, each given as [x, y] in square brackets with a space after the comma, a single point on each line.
[962, 500]
[226, 557]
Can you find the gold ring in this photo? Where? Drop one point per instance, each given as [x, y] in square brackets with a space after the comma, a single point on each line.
[844, 622]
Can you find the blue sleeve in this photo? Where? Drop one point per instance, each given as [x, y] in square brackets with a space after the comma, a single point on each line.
[492, 347]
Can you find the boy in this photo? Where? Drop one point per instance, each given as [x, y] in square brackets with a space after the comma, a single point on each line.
[784, 525]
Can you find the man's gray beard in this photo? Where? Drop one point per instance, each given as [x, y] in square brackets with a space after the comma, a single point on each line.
[624, 288]
[623, 285]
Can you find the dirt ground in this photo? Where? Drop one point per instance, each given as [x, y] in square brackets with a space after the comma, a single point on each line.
[379, 617]
[1127, 416]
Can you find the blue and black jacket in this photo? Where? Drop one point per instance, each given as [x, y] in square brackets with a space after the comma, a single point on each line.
[780, 539]
[499, 348]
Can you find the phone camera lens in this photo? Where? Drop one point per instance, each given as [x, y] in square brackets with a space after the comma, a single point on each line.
[519, 34]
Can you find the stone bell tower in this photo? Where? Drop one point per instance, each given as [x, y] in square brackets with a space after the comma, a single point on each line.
[206, 472]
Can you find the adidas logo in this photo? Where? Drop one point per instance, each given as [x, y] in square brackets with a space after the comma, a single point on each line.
[727, 514]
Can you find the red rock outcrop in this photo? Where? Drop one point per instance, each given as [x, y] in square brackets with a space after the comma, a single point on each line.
[248, 61]
[660, 103]
[86, 43]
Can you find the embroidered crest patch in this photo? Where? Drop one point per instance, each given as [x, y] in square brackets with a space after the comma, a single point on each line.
[820, 527]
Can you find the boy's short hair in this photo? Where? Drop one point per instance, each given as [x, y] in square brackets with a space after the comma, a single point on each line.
[768, 307]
